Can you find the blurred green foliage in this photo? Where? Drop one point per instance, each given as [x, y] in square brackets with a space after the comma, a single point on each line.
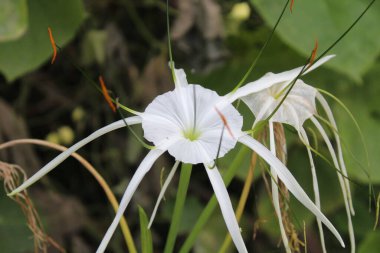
[14, 234]
[357, 61]
[13, 19]
[324, 21]
[33, 48]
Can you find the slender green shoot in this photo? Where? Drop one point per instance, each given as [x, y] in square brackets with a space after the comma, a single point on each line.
[319, 154]
[95, 84]
[145, 145]
[219, 146]
[254, 62]
[146, 235]
[310, 63]
[171, 63]
[353, 120]
[347, 31]
[178, 207]
[162, 179]
[314, 137]
[377, 212]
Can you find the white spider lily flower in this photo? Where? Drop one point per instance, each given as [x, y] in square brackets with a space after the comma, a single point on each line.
[263, 97]
[189, 123]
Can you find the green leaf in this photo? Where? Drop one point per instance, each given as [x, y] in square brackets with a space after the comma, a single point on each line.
[13, 19]
[326, 20]
[33, 48]
[146, 235]
[371, 243]
[14, 233]
[364, 105]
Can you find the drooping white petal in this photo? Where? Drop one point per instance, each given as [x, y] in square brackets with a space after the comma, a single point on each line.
[226, 207]
[262, 114]
[330, 116]
[270, 79]
[143, 168]
[298, 106]
[290, 182]
[275, 193]
[180, 78]
[305, 139]
[190, 114]
[60, 158]
[275, 196]
[162, 192]
[341, 182]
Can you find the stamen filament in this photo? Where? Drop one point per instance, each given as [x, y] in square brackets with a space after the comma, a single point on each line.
[106, 95]
[53, 45]
[225, 123]
[145, 145]
[313, 54]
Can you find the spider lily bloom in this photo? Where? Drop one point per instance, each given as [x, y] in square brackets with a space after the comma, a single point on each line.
[188, 122]
[263, 96]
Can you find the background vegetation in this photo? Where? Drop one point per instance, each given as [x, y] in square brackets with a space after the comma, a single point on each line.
[215, 41]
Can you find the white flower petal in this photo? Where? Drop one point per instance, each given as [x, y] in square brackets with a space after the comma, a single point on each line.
[298, 106]
[270, 79]
[275, 196]
[290, 182]
[143, 168]
[162, 192]
[341, 182]
[189, 114]
[305, 139]
[180, 78]
[226, 207]
[60, 158]
[330, 116]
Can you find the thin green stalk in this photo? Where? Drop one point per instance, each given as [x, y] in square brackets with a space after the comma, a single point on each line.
[178, 207]
[253, 64]
[346, 31]
[212, 204]
[140, 26]
[171, 63]
[96, 86]
[309, 63]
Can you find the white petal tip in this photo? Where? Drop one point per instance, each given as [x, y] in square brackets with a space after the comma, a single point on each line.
[12, 193]
[16, 191]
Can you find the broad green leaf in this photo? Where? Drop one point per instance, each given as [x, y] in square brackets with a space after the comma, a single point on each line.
[190, 213]
[13, 19]
[14, 233]
[146, 235]
[325, 21]
[33, 48]
[371, 243]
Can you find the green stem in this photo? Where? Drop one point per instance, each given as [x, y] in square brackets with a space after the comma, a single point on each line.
[212, 204]
[178, 207]
[140, 26]
[243, 200]
[253, 64]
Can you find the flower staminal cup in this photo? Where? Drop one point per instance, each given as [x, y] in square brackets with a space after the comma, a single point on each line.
[189, 123]
[264, 96]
